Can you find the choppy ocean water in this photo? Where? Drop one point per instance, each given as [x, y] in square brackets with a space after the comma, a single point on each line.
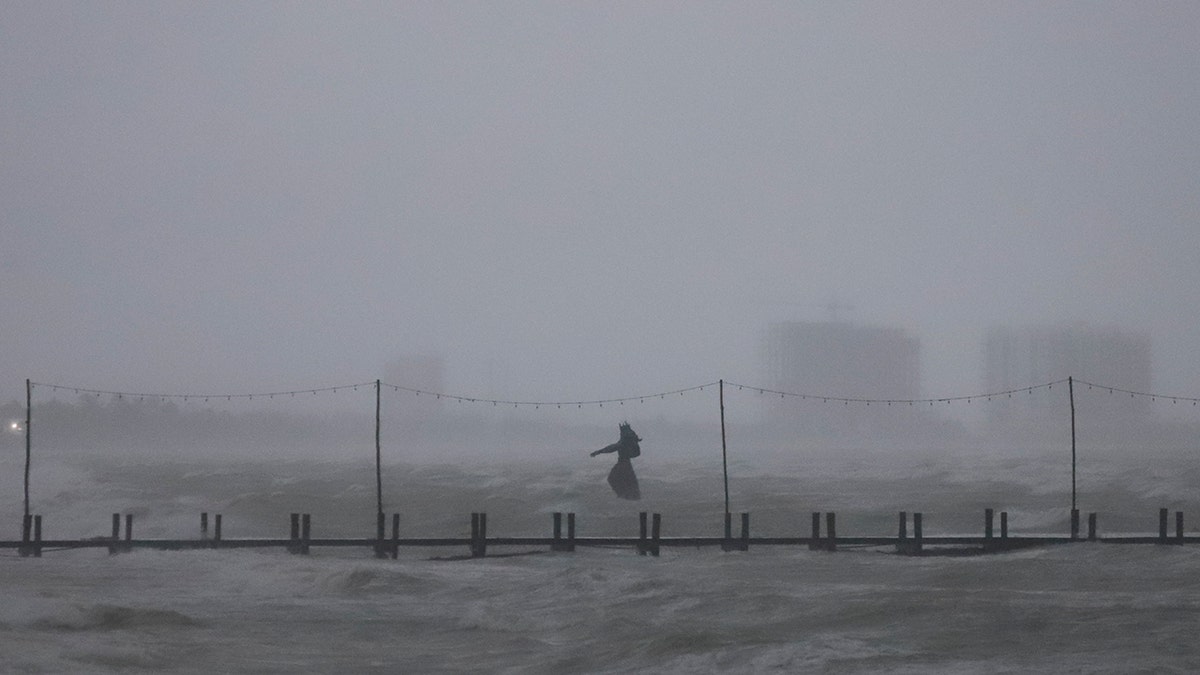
[1077, 608]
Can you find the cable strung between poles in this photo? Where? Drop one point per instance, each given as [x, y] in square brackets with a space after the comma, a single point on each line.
[901, 401]
[1115, 390]
[186, 397]
[601, 402]
[537, 404]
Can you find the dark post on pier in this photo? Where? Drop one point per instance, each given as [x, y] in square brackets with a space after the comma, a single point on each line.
[26, 524]
[655, 532]
[558, 543]
[305, 532]
[918, 535]
[379, 518]
[1071, 395]
[724, 462]
[29, 440]
[116, 533]
[478, 535]
[380, 527]
[395, 536]
[294, 534]
[643, 547]
[556, 531]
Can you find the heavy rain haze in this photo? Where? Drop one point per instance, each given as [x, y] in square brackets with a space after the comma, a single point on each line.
[532, 207]
[584, 200]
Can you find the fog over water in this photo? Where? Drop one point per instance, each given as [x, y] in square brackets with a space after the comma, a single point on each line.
[577, 201]
[555, 204]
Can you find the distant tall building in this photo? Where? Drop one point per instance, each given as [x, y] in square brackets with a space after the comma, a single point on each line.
[1020, 357]
[838, 359]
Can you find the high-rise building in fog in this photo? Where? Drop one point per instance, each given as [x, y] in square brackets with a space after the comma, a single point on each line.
[1034, 355]
[838, 359]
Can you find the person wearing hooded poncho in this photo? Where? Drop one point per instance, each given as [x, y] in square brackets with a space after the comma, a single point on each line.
[621, 478]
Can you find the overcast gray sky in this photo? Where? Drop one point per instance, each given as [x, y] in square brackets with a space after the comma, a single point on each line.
[583, 199]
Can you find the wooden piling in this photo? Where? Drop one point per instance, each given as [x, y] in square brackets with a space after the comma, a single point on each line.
[380, 530]
[570, 545]
[294, 534]
[26, 532]
[727, 543]
[29, 440]
[116, 533]
[643, 547]
[204, 525]
[478, 535]
[305, 532]
[917, 534]
[483, 533]
[655, 532]
[1074, 524]
[556, 544]
[474, 534]
[395, 536]
[649, 542]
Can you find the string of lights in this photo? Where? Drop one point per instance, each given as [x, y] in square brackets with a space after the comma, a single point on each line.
[556, 404]
[201, 397]
[897, 401]
[187, 397]
[1137, 394]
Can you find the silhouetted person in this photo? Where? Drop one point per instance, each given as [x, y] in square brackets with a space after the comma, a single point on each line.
[623, 480]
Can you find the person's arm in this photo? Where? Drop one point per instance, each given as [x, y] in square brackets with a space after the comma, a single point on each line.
[608, 448]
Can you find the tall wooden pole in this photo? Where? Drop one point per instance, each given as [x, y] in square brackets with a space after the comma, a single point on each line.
[1071, 392]
[378, 461]
[28, 438]
[380, 551]
[724, 461]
